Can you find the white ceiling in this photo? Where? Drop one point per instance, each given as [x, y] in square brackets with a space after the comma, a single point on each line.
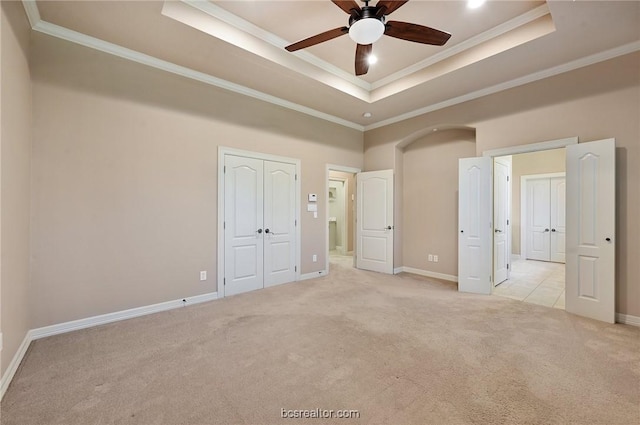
[239, 45]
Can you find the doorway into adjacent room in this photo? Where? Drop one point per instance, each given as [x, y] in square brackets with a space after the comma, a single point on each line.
[341, 202]
[529, 227]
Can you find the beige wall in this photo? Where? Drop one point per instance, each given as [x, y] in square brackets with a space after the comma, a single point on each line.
[15, 148]
[595, 102]
[552, 161]
[430, 195]
[125, 179]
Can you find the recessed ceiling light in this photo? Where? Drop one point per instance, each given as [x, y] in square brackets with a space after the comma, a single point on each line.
[435, 129]
[367, 115]
[372, 59]
[474, 4]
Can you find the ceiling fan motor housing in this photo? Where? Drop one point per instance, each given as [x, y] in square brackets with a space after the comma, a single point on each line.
[365, 12]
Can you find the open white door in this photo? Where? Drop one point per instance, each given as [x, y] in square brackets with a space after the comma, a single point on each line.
[474, 225]
[590, 243]
[374, 230]
[501, 217]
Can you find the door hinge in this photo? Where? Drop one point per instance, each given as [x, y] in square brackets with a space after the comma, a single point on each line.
[507, 267]
[489, 278]
[296, 176]
[295, 268]
[295, 222]
[224, 281]
[507, 178]
[224, 169]
[224, 224]
[507, 222]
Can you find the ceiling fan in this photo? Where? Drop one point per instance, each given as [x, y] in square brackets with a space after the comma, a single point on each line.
[368, 24]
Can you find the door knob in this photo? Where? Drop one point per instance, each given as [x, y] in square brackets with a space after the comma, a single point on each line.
[546, 230]
[259, 231]
[553, 230]
[388, 227]
[461, 231]
[608, 239]
[498, 231]
[266, 230]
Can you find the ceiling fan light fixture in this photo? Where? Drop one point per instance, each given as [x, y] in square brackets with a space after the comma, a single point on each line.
[366, 31]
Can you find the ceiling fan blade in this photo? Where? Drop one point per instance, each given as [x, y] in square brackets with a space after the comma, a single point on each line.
[362, 58]
[347, 5]
[390, 6]
[317, 39]
[416, 33]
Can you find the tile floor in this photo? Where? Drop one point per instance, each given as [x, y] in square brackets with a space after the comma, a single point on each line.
[536, 282]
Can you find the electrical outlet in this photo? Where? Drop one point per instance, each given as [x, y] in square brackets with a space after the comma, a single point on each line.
[435, 258]
[430, 257]
[203, 275]
[315, 258]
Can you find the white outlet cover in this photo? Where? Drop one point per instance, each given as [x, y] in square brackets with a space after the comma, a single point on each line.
[203, 275]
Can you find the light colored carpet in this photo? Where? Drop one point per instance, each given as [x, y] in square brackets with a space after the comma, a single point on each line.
[398, 349]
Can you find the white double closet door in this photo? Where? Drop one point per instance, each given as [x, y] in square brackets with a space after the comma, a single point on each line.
[259, 223]
[545, 219]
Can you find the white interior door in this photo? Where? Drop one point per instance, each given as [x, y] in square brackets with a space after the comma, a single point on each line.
[374, 230]
[279, 223]
[538, 219]
[474, 225]
[558, 188]
[590, 245]
[501, 217]
[243, 211]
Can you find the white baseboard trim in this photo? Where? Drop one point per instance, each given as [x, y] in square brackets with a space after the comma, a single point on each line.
[397, 270]
[515, 257]
[103, 319]
[427, 273]
[312, 275]
[627, 319]
[15, 363]
[89, 322]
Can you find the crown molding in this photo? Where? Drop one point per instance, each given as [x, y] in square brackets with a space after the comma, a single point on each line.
[536, 76]
[470, 43]
[269, 37]
[33, 14]
[247, 27]
[75, 37]
[132, 55]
